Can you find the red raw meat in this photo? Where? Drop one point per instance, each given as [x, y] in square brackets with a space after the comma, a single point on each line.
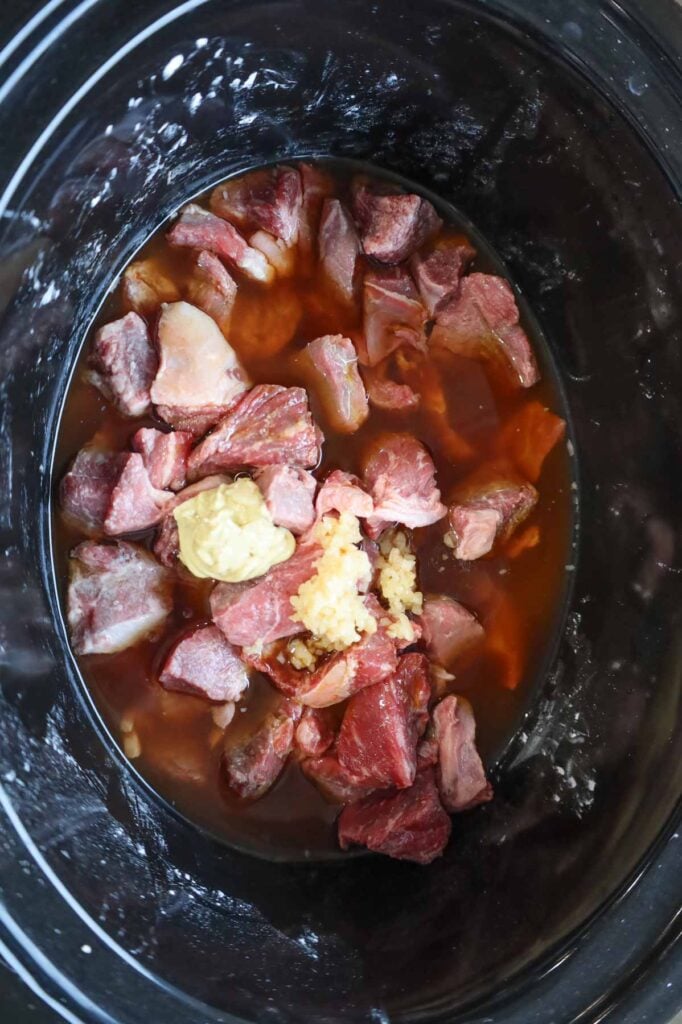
[410, 824]
[392, 227]
[314, 733]
[529, 436]
[118, 594]
[339, 247]
[203, 662]
[384, 393]
[268, 199]
[212, 289]
[448, 628]
[135, 504]
[191, 421]
[259, 611]
[378, 738]
[343, 492]
[461, 776]
[85, 491]
[489, 506]
[164, 455]
[199, 373]
[317, 186]
[253, 765]
[438, 275]
[332, 364]
[196, 228]
[482, 322]
[288, 493]
[393, 315]
[167, 543]
[145, 287]
[271, 425]
[336, 784]
[123, 363]
[400, 475]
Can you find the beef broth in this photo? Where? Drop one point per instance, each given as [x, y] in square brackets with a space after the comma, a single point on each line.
[516, 593]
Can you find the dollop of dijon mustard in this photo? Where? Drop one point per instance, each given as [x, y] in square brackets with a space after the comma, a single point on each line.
[228, 534]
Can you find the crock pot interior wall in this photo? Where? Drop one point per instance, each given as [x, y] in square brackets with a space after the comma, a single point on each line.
[590, 228]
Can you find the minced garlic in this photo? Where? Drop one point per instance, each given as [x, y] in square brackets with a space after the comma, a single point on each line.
[228, 534]
[329, 604]
[398, 579]
[300, 655]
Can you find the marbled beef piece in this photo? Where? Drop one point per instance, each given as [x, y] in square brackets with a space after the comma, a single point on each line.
[199, 373]
[529, 436]
[212, 290]
[438, 275]
[167, 542]
[204, 663]
[85, 490]
[393, 315]
[271, 425]
[400, 475]
[332, 365]
[315, 732]
[339, 247]
[122, 363]
[254, 764]
[135, 504]
[164, 455]
[448, 628]
[487, 507]
[392, 227]
[386, 394]
[381, 726]
[482, 322]
[288, 493]
[343, 492]
[118, 594]
[269, 199]
[146, 287]
[408, 824]
[259, 611]
[196, 228]
[461, 776]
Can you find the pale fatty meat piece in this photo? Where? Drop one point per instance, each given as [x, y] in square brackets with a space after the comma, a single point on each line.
[260, 611]
[85, 490]
[393, 227]
[123, 363]
[386, 394]
[288, 493]
[204, 663]
[317, 186]
[461, 776]
[270, 425]
[482, 322]
[393, 315]
[400, 475]
[448, 628]
[254, 764]
[332, 364]
[407, 824]
[197, 228]
[343, 492]
[164, 455]
[339, 247]
[212, 290]
[118, 594]
[438, 275]
[198, 369]
[280, 256]
[269, 199]
[382, 724]
[167, 542]
[314, 733]
[145, 287]
[487, 508]
[135, 504]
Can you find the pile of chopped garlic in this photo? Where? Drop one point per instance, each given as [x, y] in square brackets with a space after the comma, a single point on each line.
[397, 567]
[329, 604]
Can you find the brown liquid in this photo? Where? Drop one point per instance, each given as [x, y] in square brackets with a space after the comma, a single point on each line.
[518, 600]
